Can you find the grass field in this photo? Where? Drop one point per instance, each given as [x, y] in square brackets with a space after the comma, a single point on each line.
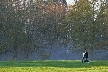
[53, 66]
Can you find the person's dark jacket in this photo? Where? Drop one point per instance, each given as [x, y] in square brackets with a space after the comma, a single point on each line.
[86, 55]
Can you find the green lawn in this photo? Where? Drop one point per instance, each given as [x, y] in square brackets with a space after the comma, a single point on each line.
[53, 66]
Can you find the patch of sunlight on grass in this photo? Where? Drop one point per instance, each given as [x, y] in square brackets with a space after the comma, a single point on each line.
[53, 69]
[53, 66]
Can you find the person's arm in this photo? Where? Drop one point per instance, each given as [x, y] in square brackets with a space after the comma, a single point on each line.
[83, 54]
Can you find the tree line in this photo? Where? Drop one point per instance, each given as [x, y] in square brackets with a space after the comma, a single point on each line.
[32, 24]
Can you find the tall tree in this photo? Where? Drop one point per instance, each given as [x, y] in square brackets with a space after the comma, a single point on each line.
[78, 25]
[102, 23]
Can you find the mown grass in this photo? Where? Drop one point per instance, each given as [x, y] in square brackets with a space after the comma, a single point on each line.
[53, 66]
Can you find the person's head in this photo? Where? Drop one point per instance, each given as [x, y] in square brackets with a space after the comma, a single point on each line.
[85, 50]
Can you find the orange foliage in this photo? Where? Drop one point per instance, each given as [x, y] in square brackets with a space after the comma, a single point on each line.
[55, 9]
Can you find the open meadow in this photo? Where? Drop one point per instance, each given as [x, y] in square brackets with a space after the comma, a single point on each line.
[53, 66]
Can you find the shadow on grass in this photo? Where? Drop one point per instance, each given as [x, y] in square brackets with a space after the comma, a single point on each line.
[52, 63]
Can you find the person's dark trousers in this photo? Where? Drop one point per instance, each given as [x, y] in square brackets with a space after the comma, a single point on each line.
[83, 60]
[86, 58]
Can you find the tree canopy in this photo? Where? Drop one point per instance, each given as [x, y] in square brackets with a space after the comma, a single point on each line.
[33, 24]
[85, 24]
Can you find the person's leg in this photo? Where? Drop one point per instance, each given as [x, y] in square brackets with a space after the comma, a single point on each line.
[86, 59]
[83, 60]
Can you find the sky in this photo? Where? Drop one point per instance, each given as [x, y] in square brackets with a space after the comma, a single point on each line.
[70, 1]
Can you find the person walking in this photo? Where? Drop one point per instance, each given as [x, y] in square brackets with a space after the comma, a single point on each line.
[83, 58]
[86, 55]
